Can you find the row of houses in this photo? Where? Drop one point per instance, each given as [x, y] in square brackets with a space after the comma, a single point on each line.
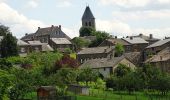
[139, 50]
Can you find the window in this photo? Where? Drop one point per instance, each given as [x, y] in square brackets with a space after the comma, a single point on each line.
[104, 69]
[89, 23]
[86, 24]
[22, 50]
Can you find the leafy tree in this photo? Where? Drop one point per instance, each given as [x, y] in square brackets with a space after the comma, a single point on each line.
[132, 82]
[4, 30]
[9, 46]
[86, 31]
[122, 70]
[6, 81]
[80, 43]
[119, 49]
[87, 75]
[100, 37]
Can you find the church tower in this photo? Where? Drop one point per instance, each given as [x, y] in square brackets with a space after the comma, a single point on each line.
[88, 19]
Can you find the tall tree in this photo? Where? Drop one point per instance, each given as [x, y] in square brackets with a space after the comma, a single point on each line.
[8, 46]
[3, 30]
[86, 31]
[119, 49]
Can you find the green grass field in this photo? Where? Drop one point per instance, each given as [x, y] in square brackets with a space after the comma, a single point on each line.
[109, 95]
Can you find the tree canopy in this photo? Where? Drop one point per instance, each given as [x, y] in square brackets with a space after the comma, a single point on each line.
[86, 31]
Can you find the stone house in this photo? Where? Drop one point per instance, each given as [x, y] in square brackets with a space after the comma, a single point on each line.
[49, 35]
[37, 46]
[114, 41]
[150, 39]
[106, 66]
[23, 48]
[136, 44]
[28, 37]
[157, 47]
[161, 60]
[60, 44]
[94, 53]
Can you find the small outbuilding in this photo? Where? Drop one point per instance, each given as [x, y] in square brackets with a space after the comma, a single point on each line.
[77, 89]
[46, 93]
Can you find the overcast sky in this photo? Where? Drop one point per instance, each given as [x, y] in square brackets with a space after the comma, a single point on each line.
[118, 17]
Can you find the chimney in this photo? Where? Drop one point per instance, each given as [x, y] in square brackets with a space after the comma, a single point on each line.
[38, 28]
[127, 36]
[131, 38]
[26, 34]
[59, 27]
[115, 37]
[151, 36]
[161, 58]
[52, 26]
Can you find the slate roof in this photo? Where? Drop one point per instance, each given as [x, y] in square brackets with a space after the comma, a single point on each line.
[34, 42]
[53, 31]
[46, 47]
[115, 41]
[61, 41]
[133, 57]
[159, 43]
[102, 63]
[28, 37]
[87, 14]
[21, 43]
[145, 37]
[136, 40]
[163, 55]
[96, 50]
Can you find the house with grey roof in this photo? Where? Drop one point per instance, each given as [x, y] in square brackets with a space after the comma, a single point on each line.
[157, 47]
[37, 46]
[53, 35]
[114, 41]
[137, 44]
[161, 60]
[94, 53]
[28, 37]
[106, 66]
[23, 48]
[60, 44]
[149, 38]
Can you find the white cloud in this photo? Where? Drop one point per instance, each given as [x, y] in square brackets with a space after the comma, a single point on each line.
[114, 27]
[126, 3]
[64, 4]
[18, 23]
[120, 29]
[164, 1]
[138, 15]
[32, 3]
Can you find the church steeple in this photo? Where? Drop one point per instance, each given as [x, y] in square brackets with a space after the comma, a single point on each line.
[88, 20]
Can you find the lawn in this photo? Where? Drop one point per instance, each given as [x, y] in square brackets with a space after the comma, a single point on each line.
[108, 95]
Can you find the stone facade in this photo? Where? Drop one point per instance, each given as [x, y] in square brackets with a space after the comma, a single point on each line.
[88, 20]
[95, 53]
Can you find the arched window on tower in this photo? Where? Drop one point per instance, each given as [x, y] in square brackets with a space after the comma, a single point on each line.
[89, 23]
[86, 24]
